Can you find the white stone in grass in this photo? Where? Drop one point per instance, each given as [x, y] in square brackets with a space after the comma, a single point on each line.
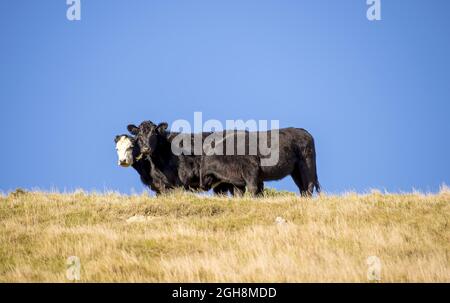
[136, 219]
[280, 221]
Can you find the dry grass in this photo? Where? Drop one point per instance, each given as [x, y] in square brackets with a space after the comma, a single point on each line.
[190, 238]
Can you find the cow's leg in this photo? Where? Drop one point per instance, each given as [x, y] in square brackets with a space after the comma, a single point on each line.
[254, 186]
[206, 182]
[231, 190]
[221, 189]
[297, 177]
[260, 188]
[238, 191]
[307, 176]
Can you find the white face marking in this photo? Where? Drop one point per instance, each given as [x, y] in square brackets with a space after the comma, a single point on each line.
[124, 149]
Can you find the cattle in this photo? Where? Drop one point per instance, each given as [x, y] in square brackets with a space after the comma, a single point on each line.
[296, 156]
[155, 143]
[128, 153]
[240, 170]
[217, 167]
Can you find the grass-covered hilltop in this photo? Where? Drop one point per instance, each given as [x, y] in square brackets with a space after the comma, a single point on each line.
[183, 237]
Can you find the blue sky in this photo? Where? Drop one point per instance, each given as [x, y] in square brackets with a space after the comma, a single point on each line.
[375, 95]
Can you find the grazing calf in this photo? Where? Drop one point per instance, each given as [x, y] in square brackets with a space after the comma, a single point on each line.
[241, 171]
[155, 144]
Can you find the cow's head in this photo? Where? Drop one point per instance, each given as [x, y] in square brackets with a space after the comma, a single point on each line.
[126, 150]
[148, 135]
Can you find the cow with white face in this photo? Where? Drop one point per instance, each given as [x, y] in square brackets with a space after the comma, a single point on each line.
[125, 147]
[155, 144]
[128, 154]
[160, 170]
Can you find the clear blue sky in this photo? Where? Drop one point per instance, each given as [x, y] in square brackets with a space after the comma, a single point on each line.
[375, 95]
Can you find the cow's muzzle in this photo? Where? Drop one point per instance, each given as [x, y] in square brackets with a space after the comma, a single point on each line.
[124, 163]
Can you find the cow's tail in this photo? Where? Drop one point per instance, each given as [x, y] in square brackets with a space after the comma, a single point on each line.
[317, 186]
[309, 158]
[315, 180]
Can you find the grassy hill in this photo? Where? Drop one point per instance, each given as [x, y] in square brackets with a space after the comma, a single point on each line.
[188, 237]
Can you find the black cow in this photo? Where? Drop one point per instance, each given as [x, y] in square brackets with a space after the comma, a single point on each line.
[296, 157]
[174, 170]
[129, 155]
[240, 170]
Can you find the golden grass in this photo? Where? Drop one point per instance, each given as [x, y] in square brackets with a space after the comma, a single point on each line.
[191, 238]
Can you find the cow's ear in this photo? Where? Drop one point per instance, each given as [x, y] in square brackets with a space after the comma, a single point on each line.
[150, 123]
[162, 127]
[133, 129]
[116, 139]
